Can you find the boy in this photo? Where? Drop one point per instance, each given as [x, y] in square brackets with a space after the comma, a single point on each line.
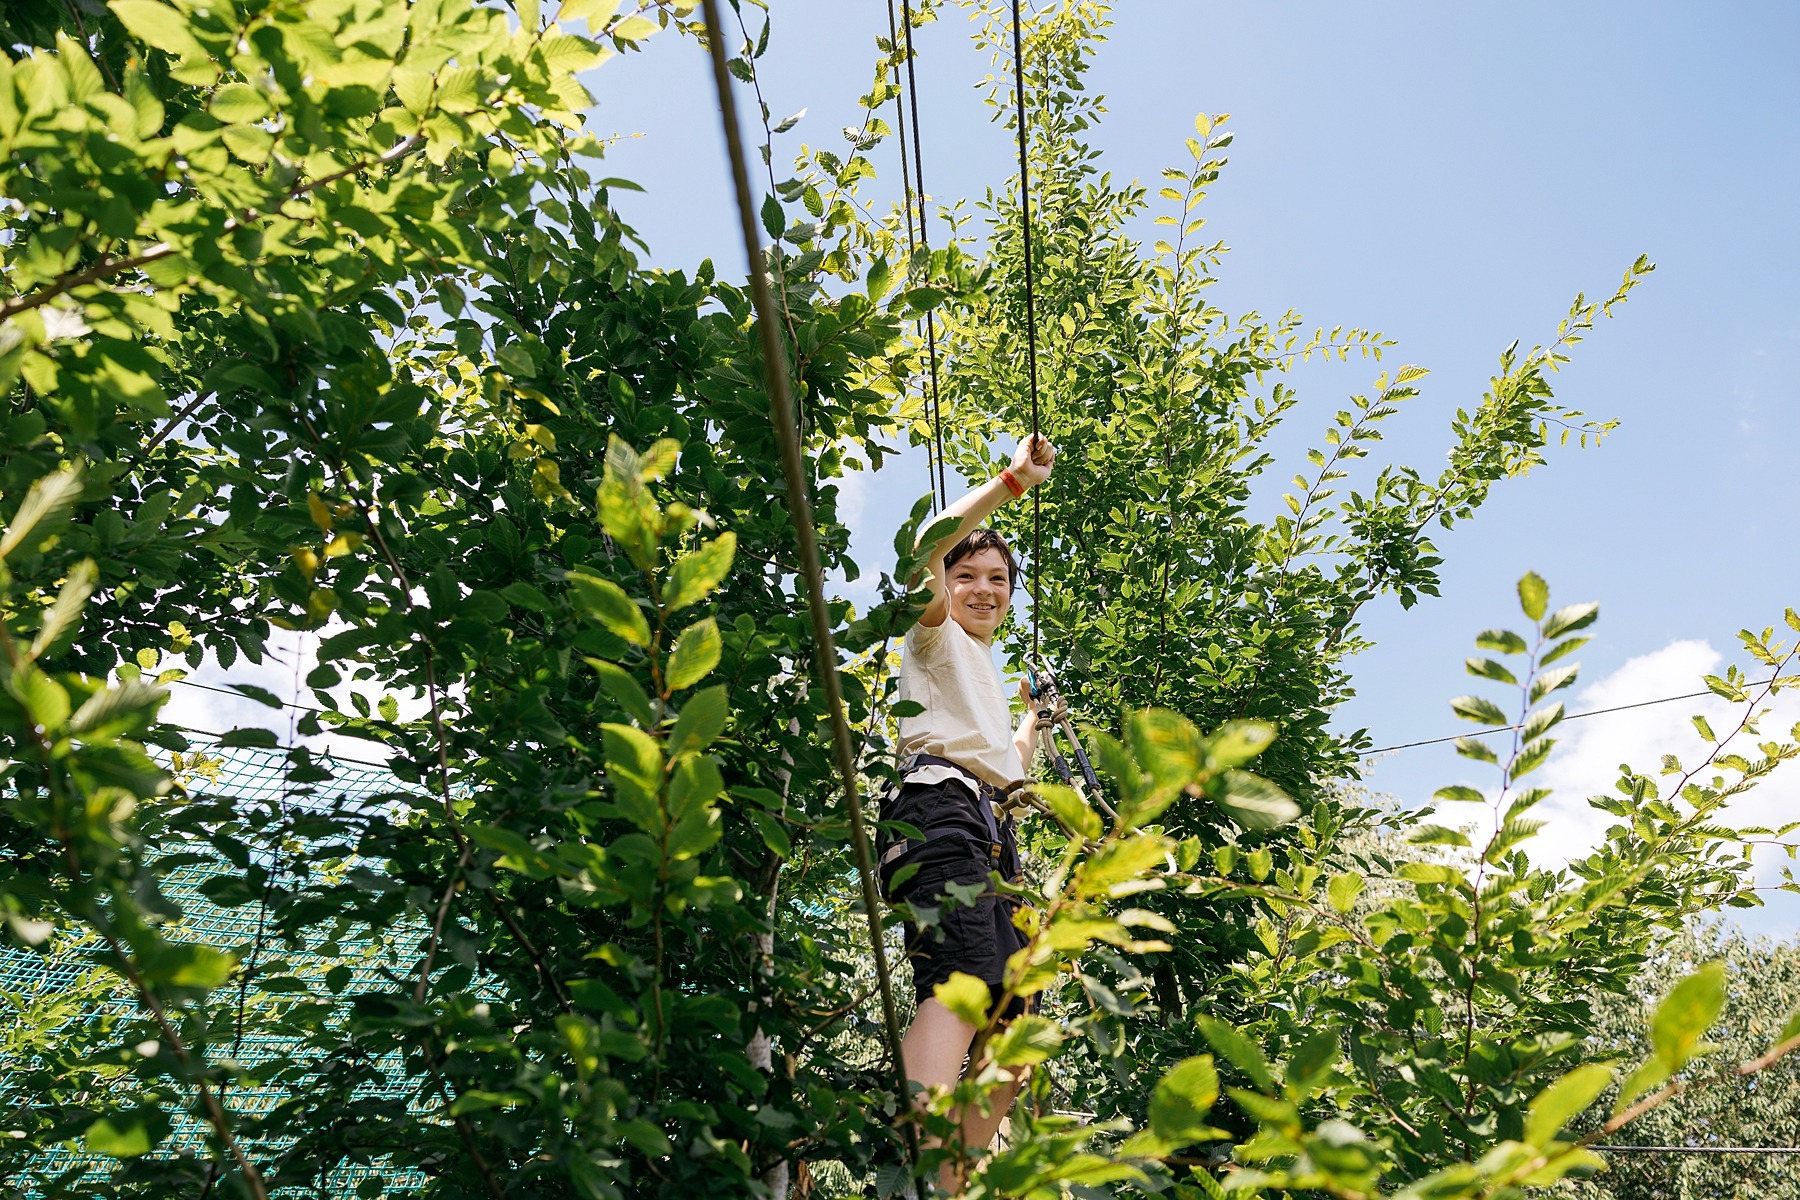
[958, 757]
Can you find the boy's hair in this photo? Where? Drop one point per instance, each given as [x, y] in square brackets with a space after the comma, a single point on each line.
[985, 539]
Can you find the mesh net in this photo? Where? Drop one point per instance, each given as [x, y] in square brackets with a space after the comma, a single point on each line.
[64, 990]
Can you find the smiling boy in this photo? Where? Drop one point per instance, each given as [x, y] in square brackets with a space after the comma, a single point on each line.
[958, 757]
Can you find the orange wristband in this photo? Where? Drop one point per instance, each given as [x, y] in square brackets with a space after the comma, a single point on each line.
[1012, 483]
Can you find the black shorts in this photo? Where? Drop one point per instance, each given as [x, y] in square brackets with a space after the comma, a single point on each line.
[976, 938]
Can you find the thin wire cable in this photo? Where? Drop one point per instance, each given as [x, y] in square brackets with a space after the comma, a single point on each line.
[912, 99]
[1592, 712]
[1037, 522]
[1700, 1149]
[781, 418]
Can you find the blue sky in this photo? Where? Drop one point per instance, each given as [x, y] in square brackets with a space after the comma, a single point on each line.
[1450, 175]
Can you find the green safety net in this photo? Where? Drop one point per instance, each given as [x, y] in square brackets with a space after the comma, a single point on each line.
[63, 991]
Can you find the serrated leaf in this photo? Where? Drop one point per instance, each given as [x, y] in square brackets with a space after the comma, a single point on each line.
[1562, 649]
[261, 695]
[1688, 1012]
[47, 503]
[1503, 641]
[1570, 618]
[966, 997]
[1479, 709]
[66, 610]
[696, 653]
[1237, 1049]
[1343, 891]
[1550, 681]
[625, 690]
[1554, 1107]
[1437, 835]
[524, 595]
[158, 25]
[1182, 1099]
[1540, 722]
[113, 709]
[702, 719]
[1256, 803]
[1475, 748]
[1487, 668]
[604, 601]
[1534, 594]
[694, 576]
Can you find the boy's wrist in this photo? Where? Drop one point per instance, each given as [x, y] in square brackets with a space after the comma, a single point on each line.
[1012, 482]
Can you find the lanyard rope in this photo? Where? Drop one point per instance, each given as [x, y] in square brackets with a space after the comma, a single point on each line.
[931, 481]
[1037, 524]
[918, 174]
[787, 437]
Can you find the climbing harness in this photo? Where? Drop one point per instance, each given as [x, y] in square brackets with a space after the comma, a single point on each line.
[999, 849]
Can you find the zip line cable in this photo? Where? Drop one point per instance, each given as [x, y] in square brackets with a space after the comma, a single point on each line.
[1037, 523]
[781, 418]
[912, 99]
[1700, 1149]
[1592, 712]
[900, 94]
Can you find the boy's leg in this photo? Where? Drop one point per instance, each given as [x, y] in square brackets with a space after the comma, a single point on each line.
[935, 1046]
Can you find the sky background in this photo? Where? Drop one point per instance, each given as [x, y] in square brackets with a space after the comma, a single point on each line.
[1451, 175]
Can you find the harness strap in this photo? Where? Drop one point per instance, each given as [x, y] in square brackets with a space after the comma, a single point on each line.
[894, 856]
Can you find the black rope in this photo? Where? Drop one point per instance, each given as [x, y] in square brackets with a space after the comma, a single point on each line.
[787, 437]
[931, 480]
[912, 99]
[1037, 523]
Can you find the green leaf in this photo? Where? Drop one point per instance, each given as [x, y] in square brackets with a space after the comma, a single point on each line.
[694, 576]
[1534, 594]
[702, 719]
[1564, 1100]
[1182, 1099]
[1233, 1046]
[604, 601]
[1684, 1017]
[110, 711]
[1311, 1060]
[158, 25]
[966, 997]
[1475, 748]
[1478, 709]
[65, 611]
[1562, 650]
[1026, 1041]
[127, 1134]
[696, 653]
[1343, 891]
[633, 29]
[1237, 742]
[595, 12]
[254, 738]
[261, 695]
[1255, 803]
[1121, 862]
[1070, 810]
[1503, 641]
[772, 219]
[48, 503]
[1653, 1072]
[1487, 668]
[524, 595]
[1570, 618]
[1437, 835]
[235, 103]
[44, 700]
[1552, 680]
[625, 690]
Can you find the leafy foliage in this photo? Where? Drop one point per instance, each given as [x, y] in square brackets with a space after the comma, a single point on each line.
[314, 319]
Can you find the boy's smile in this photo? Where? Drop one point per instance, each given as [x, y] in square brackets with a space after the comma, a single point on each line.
[979, 592]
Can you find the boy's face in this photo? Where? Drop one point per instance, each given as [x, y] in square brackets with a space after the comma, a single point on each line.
[979, 592]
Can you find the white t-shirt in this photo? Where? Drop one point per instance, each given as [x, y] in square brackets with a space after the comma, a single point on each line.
[966, 719]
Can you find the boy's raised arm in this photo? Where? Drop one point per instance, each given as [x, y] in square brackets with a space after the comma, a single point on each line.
[1031, 465]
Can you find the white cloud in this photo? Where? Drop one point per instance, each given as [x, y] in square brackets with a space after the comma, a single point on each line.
[1587, 758]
